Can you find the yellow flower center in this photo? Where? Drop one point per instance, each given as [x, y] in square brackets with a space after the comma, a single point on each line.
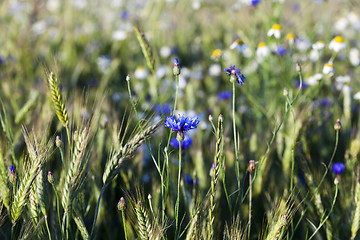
[140, 68]
[216, 52]
[276, 27]
[329, 65]
[239, 41]
[290, 36]
[262, 44]
[321, 42]
[339, 39]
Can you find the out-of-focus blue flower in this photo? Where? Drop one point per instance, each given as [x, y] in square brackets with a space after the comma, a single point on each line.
[2, 60]
[124, 15]
[338, 168]
[187, 142]
[182, 124]
[12, 169]
[225, 95]
[304, 85]
[254, 2]
[190, 181]
[162, 109]
[235, 72]
[325, 102]
[281, 51]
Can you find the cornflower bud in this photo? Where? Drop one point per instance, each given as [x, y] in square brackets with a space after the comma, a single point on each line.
[51, 177]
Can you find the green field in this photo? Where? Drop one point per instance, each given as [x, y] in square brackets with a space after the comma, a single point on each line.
[188, 119]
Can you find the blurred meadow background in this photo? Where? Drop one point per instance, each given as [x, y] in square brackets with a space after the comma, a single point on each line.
[261, 97]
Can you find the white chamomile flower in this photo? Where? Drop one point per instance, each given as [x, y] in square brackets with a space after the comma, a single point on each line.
[337, 44]
[319, 45]
[341, 24]
[239, 45]
[141, 73]
[329, 69]
[357, 96]
[314, 80]
[354, 56]
[290, 38]
[275, 31]
[262, 51]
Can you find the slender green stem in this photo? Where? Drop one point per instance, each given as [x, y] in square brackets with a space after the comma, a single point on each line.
[178, 195]
[332, 208]
[97, 210]
[293, 145]
[58, 209]
[250, 204]
[142, 129]
[124, 223]
[175, 103]
[237, 169]
[47, 227]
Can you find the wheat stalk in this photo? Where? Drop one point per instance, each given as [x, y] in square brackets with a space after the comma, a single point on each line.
[144, 225]
[33, 169]
[57, 99]
[215, 176]
[75, 169]
[4, 182]
[146, 49]
[79, 221]
[112, 167]
[356, 220]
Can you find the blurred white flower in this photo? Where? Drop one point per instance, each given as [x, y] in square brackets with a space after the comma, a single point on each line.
[119, 35]
[165, 51]
[239, 45]
[341, 24]
[104, 62]
[215, 70]
[314, 55]
[354, 56]
[329, 69]
[319, 45]
[196, 4]
[302, 44]
[141, 73]
[341, 81]
[161, 71]
[52, 5]
[290, 38]
[275, 31]
[262, 51]
[39, 27]
[79, 4]
[354, 19]
[357, 96]
[314, 80]
[337, 44]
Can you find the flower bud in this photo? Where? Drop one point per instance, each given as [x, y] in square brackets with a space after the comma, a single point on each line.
[176, 69]
[128, 78]
[286, 92]
[12, 174]
[51, 177]
[337, 125]
[121, 204]
[58, 142]
[252, 165]
[298, 67]
[180, 136]
[104, 123]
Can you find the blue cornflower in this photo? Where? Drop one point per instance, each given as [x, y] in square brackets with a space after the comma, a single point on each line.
[235, 74]
[190, 181]
[182, 124]
[162, 109]
[254, 2]
[12, 169]
[176, 69]
[281, 51]
[187, 142]
[338, 168]
[224, 95]
[124, 15]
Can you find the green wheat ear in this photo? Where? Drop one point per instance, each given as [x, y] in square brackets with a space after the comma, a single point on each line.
[57, 99]
[146, 49]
